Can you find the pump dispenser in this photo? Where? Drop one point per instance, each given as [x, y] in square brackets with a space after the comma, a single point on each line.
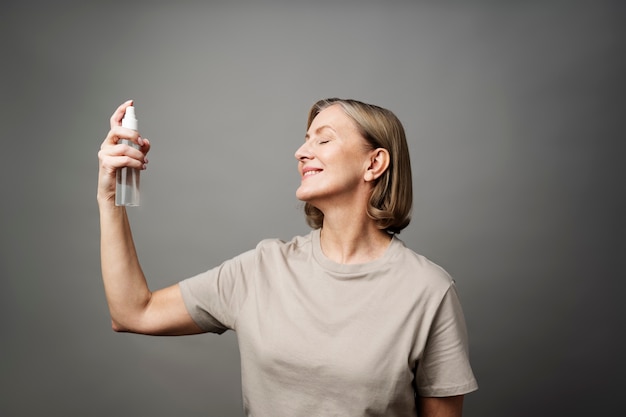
[127, 185]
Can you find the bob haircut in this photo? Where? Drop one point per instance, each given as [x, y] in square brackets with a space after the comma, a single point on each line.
[391, 201]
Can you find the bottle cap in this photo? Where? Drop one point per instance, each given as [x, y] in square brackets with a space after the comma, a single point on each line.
[130, 120]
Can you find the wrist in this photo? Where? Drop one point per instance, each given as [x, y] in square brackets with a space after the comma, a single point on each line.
[107, 202]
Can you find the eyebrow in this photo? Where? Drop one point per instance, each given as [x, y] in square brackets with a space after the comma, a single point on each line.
[319, 129]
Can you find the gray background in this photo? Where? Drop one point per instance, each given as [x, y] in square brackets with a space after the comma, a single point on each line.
[514, 113]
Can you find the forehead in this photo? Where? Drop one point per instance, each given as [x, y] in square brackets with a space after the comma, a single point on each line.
[333, 117]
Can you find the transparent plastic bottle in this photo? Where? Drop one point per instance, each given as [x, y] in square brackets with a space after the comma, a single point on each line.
[127, 185]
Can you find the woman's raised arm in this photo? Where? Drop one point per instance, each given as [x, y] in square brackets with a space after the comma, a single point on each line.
[133, 307]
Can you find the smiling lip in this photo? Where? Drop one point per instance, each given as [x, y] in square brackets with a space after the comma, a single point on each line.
[309, 172]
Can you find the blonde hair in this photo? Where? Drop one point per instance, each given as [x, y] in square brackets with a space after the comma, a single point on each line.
[391, 200]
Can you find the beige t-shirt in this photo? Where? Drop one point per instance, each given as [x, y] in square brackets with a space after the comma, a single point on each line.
[318, 338]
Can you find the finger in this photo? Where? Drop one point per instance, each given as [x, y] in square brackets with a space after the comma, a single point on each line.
[145, 148]
[122, 155]
[113, 163]
[125, 149]
[118, 132]
[116, 118]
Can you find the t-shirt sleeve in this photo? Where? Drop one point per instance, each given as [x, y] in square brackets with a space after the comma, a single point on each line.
[444, 369]
[214, 298]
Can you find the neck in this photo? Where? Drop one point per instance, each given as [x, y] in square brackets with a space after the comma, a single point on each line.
[347, 240]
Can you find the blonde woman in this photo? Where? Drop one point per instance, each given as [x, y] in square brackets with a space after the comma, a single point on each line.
[343, 321]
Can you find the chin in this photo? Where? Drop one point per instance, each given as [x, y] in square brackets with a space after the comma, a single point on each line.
[301, 193]
[305, 196]
[302, 197]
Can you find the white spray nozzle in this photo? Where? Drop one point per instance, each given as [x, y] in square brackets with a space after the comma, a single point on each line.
[130, 120]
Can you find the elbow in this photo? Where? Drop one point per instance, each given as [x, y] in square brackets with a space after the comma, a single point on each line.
[117, 327]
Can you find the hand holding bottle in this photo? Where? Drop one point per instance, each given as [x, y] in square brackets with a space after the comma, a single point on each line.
[122, 148]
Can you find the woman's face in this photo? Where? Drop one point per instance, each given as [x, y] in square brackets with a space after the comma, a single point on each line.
[333, 160]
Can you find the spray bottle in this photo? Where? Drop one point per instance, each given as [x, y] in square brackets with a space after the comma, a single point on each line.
[127, 185]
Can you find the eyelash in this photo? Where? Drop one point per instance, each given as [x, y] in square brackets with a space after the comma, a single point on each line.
[321, 142]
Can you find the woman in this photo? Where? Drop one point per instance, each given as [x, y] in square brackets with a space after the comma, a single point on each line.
[344, 321]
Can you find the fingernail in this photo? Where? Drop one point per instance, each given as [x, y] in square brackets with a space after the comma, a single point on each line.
[140, 141]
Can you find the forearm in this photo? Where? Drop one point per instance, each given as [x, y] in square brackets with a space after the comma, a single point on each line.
[125, 286]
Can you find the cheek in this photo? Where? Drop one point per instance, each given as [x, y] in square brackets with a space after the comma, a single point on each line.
[354, 164]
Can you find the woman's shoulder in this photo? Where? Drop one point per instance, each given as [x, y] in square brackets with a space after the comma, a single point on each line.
[295, 244]
[420, 265]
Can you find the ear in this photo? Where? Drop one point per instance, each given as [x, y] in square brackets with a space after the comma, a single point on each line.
[379, 162]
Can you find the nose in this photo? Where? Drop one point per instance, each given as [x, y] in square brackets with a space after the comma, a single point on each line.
[303, 152]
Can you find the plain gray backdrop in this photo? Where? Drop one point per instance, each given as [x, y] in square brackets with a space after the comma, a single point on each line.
[514, 113]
